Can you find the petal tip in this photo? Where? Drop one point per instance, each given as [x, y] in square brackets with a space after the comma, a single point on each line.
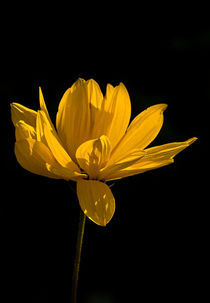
[40, 92]
[164, 106]
[14, 106]
[192, 140]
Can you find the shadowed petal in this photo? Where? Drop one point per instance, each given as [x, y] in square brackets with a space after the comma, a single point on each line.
[93, 155]
[51, 137]
[65, 173]
[20, 112]
[96, 201]
[33, 156]
[24, 131]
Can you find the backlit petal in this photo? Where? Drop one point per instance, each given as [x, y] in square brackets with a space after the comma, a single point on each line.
[33, 156]
[168, 150]
[20, 112]
[112, 169]
[154, 157]
[96, 201]
[131, 171]
[77, 114]
[115, 113]
[93, 155]
[141, 132]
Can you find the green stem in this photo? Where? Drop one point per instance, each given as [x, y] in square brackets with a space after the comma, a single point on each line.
[80, 234]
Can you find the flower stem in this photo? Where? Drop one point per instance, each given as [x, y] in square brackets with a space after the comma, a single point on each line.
[80, 234]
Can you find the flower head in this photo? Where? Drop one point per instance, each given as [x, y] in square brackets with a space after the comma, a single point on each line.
[92, 142]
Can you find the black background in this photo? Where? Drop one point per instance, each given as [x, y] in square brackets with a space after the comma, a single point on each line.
[154, 248]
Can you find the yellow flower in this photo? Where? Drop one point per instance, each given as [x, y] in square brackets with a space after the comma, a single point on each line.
[92, 142]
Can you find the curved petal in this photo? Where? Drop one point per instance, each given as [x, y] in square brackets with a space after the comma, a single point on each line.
[141, 132]
[20, 112]
[154, 157]
[24, 131]
[33, 156]
[76, 114]
[51, 137]
[96, 201]
[93, 155]
[84, 114]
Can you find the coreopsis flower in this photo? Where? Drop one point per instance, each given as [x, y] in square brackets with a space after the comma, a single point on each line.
[92, 142]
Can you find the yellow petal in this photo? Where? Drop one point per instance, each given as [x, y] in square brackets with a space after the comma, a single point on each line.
[94, 93]
[131, 171]
[39, 122]
[118, 106]
[40, 128]
[24, 131]
[52, 139]
[65, 173]
[168, 150]
[76, 114]
[43, 107]
[141, 132]
[112, 169]
[20, 112]
[33, 156]
[96, 201]
[48, 135]
[102, 114]
[112, 118]
[154, 157]
[84, 114]
[93, 155]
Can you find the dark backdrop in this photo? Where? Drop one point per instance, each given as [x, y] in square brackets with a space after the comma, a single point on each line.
[155, 246]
